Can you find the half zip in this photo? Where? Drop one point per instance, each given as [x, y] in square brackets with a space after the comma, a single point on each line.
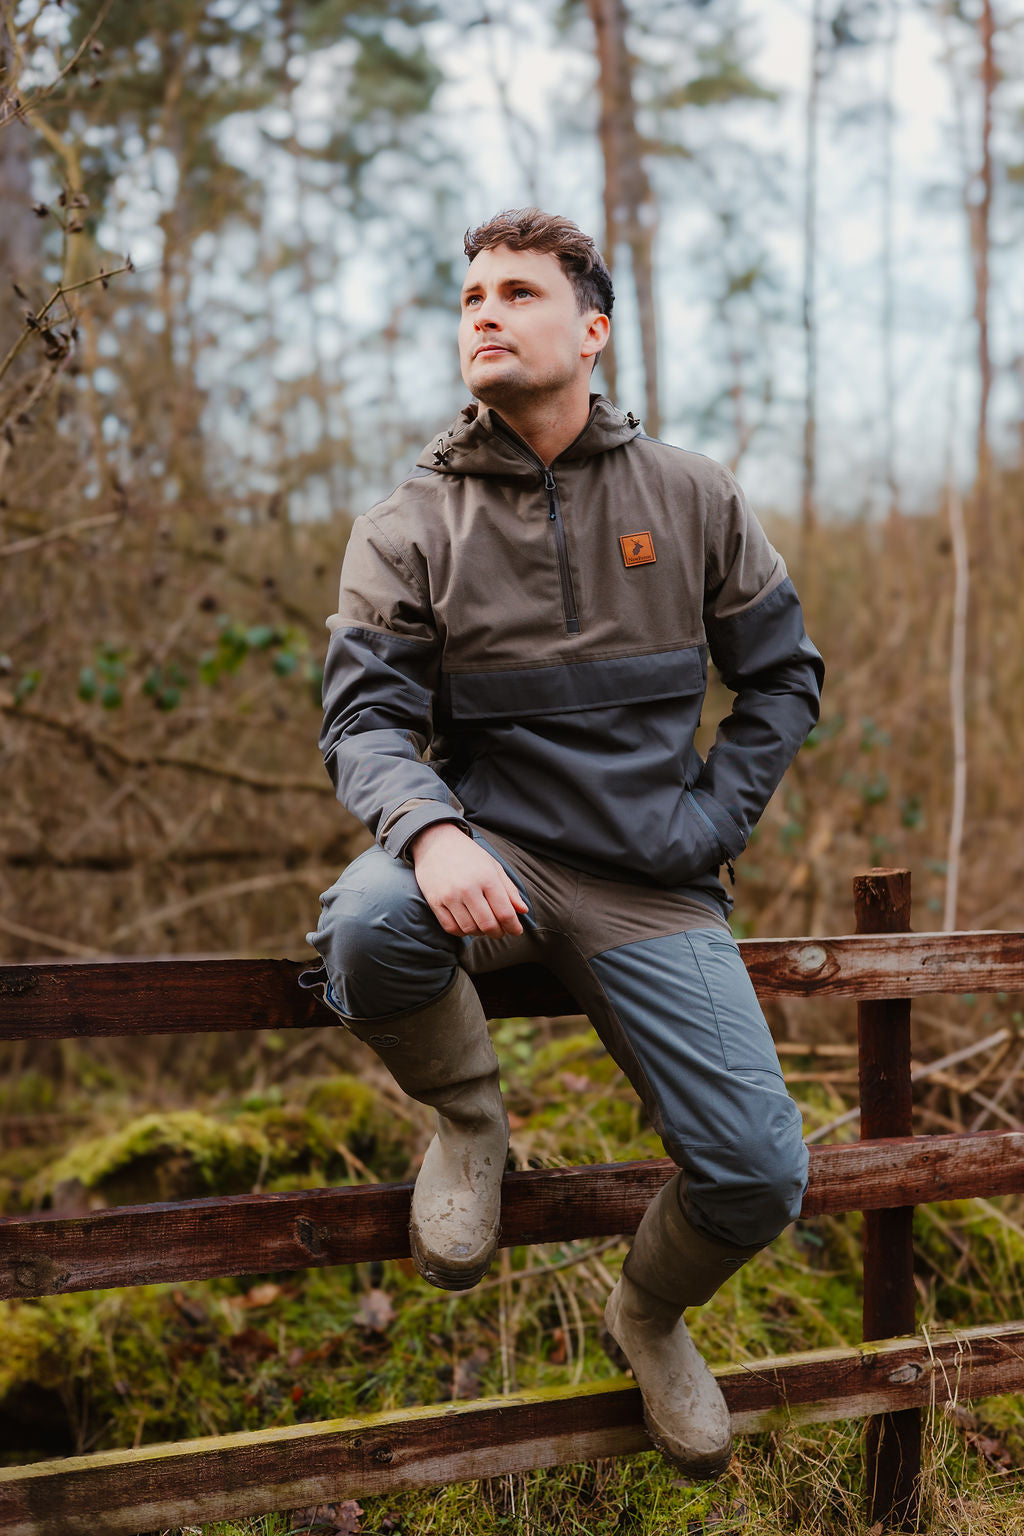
[569, 613]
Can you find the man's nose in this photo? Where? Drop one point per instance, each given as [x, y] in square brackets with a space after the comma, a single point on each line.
[485, 318]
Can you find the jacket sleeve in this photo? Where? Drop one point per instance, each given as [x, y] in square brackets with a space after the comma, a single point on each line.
[756, 638]
[380, 680]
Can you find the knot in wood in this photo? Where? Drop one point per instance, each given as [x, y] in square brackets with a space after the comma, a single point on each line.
[811, 958]
[905, 1374]
[312, 1237]
[17, 986]
[36, 1275]
[384, 1454]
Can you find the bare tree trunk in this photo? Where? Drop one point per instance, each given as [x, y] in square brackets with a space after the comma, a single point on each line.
[20, 230]
[809, 491]
[979, 215]
[629, 208]
[888, 269]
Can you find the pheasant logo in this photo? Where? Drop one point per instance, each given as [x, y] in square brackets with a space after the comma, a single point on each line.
[637, 548]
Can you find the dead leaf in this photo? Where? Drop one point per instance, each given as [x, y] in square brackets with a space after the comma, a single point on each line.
[262, 1295]
[468, 1370]
[327, 1519]
[254, 1342]
[559, 1347]
[375, 1312]
[192, 1311]
[989, 1447]
[572, 1082]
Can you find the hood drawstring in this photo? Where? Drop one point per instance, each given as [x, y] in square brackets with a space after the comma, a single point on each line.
[442, 451]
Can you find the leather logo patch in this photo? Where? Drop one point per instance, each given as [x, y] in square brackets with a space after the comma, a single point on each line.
[637, 548]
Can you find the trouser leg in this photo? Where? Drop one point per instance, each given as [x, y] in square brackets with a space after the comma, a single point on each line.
[393, 975]
[689, 1012]
[681, 1009]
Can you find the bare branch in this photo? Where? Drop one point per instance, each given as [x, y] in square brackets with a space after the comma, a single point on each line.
[76, 732]
[12, 107]
[65, 531]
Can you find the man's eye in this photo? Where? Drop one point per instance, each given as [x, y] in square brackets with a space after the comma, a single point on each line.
[527, 291]
[471, 299]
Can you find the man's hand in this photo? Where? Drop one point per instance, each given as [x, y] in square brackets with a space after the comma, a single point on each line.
[466, 889]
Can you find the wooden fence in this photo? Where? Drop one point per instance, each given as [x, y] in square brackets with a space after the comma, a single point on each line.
[888, 1379]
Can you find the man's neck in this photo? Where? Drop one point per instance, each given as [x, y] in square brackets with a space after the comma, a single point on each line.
[549, 425]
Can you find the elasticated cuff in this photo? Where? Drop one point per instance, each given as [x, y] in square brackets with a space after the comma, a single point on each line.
[406, 827]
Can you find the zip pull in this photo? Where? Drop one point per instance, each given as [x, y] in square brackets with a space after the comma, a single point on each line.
[549, 486]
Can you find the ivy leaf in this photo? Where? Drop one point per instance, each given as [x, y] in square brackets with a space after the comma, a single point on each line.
[285, 663]
[27, 685]
[87, 685]
[209, 667]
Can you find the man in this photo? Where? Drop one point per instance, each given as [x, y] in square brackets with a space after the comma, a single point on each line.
[513, 682]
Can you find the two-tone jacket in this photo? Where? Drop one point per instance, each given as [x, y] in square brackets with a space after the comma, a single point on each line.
[527, 647]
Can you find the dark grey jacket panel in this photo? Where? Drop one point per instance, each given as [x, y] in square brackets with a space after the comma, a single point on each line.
[378, 720]
[765, 657]
[453, 688]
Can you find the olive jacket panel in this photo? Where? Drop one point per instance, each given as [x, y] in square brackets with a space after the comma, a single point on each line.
[527, 646]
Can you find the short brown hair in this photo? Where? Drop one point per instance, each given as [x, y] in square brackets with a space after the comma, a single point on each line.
[530, 229]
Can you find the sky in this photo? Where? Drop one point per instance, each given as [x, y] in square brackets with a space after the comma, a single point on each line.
[518, 108]
[935, 334]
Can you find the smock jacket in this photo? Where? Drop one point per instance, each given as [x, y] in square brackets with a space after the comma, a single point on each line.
[527, 647]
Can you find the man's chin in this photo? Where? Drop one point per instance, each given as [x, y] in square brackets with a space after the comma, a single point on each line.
[498, 386]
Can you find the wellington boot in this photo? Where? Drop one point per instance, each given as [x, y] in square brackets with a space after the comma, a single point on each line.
[442, 1055]
[672, 1266]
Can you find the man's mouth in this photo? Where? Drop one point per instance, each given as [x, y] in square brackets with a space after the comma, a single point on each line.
[490, 346]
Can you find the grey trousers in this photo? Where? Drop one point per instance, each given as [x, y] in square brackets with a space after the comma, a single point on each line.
[660, 977]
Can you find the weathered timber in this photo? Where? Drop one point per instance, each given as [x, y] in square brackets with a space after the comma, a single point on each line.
[881, 903]
[252, 1234]
[54, 1000]
[231, 1476]
[161, 997]
[886, 965]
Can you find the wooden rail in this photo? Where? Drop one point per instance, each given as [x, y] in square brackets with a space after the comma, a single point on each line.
[229, 1476]
[61, 1001]
[244, 1474]
[304, 1229]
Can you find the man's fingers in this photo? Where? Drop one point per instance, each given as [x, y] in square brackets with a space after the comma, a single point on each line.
[445, 917]
[481, 906]
[505, 902]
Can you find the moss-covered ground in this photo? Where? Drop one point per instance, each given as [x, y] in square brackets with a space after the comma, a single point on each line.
[119, 1368]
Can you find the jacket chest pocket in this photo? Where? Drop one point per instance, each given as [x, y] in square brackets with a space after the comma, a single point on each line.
[574, 687]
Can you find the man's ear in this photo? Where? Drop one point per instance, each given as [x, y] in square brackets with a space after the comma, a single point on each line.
[596, 339]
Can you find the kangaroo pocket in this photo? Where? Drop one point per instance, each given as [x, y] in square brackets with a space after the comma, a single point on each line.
[591, 760]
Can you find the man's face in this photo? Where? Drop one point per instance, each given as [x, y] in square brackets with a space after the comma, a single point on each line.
[520, 333]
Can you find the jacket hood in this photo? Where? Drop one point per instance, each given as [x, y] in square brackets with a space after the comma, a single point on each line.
[480, 442]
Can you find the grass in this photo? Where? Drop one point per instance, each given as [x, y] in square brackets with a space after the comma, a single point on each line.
[166, 1362]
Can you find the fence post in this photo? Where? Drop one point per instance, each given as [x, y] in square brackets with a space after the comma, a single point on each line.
[881, 901]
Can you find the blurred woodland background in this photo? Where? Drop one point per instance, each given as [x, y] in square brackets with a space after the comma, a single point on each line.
[231, 248]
